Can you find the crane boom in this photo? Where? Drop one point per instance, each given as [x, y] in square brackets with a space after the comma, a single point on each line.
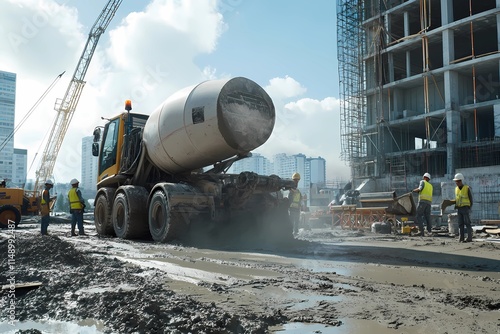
[66, 106]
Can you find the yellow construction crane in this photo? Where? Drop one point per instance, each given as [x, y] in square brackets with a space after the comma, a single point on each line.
[16, 202]
[66, 106]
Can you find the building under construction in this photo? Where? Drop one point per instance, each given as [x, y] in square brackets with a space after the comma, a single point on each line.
[419, 85]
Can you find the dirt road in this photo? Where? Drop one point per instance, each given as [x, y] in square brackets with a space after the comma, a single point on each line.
[326, 281]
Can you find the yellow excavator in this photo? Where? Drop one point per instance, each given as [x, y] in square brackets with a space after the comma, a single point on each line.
[13, 203]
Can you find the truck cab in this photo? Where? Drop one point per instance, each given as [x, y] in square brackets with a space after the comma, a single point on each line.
[122, 132]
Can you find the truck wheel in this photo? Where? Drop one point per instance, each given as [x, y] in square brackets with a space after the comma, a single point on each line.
[9, 213]
[128, 214]
[164, 225]
[102, 216]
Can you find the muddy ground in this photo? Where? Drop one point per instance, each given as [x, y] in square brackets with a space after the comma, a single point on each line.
[325, 281]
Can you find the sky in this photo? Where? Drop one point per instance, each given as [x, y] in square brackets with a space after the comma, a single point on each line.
[153, 48]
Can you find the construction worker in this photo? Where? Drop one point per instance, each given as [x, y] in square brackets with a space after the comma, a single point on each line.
[424, 191]
[77, 204]
[463, 203]
[45, 207]
[295, 199]
[3, 184]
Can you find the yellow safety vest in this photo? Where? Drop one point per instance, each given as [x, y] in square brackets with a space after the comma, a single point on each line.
[462, 196]
[426, 192]
[43, 197]
[295, 199]
[74, 200]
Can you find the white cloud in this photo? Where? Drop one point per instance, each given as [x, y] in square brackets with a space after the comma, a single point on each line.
[307, 126]
[38, 41]
[40, 36]
[283, 88]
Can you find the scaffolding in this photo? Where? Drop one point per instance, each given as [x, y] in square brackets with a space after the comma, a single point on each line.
[397, 173]
[489, 199]
[350, 41]
[445, 114]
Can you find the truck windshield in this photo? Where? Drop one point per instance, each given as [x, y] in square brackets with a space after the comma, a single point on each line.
[109, 146]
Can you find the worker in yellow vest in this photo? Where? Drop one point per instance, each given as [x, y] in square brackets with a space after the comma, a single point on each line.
[295, 199]
[77, 204]
[45, 207]
[424, 191]
[463, 203]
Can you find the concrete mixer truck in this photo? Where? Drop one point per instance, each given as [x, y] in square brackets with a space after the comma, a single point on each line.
[160, 174]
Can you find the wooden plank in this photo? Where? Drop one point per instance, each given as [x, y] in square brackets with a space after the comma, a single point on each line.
[22, 285]
[489, 222]
[492, 230]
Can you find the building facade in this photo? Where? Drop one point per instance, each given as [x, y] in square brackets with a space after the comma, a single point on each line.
[421, 92]
[7, 114]
[420, 89]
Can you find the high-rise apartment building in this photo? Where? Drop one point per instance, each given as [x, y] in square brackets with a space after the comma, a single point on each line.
[89, 168]
[7, 114]
[316, 170]
[256, 163]
[285, 165]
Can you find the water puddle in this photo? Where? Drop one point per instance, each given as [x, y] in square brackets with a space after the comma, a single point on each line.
[89, 326]
[325, 266]
[307, 301]
[302, 328]
[349, 326]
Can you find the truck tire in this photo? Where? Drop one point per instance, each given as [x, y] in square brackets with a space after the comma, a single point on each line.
[9, 213]
[102, 213]
[164, 225]
[128, 214]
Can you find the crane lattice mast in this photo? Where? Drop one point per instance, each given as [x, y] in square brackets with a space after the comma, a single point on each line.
[66, 106]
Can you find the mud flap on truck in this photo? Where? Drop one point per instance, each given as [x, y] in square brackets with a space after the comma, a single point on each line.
[276, 226]
[172, 207]
[264, 221]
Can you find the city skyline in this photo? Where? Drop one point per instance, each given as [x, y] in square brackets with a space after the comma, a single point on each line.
[286, 166]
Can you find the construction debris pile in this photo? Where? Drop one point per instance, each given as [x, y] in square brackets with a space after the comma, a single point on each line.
[78, 286]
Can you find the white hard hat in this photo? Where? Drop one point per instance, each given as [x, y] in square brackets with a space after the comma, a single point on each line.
[427, 175]
[49, 182]
[74, 181]
[458, 177]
